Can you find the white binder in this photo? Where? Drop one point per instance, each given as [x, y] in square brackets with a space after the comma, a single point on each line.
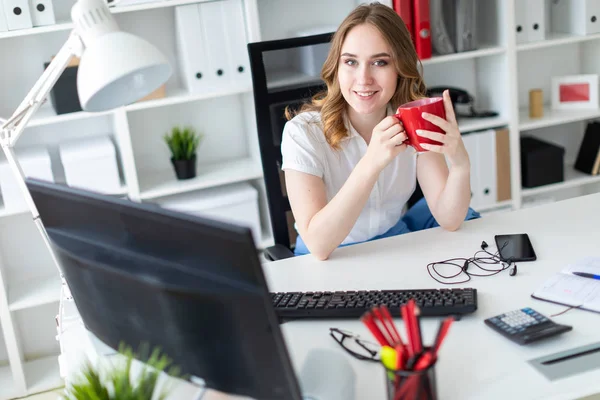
[579, 17]
[191, 51]
[3, 24]
[470, 141]
[521, 31]
[535, 17]
[213, 29]
[236, 41]
[42, 12]
[486, 160]
[17, 14]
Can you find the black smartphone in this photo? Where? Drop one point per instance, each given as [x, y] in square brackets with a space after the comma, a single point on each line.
[515, 247]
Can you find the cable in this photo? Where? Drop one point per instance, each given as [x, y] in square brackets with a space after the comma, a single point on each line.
[480, 262]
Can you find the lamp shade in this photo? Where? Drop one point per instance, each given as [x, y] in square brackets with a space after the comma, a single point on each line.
[119, 68]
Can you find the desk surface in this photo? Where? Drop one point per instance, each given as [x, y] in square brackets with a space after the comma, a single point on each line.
[475, 362]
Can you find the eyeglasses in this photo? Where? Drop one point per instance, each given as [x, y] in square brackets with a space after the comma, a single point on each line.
[355, 346]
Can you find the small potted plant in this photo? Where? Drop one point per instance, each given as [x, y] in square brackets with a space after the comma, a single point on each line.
[118, 381]
[183, 143]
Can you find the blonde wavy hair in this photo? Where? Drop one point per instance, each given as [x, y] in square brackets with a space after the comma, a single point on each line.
[330, 102]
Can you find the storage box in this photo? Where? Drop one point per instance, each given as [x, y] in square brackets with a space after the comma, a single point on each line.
[542, 162]
[237, 204]
[35, 163]
[91, 164]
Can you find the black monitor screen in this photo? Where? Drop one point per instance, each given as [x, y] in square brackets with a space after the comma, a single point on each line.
[140, 274]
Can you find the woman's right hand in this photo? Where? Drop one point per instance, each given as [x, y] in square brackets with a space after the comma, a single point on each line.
[387, 141]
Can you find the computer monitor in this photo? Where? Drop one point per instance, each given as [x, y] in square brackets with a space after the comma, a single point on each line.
[140, 274]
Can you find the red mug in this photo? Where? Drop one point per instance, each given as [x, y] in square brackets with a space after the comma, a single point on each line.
[410, 116]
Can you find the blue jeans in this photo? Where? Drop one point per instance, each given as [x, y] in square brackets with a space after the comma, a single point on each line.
[417, 218]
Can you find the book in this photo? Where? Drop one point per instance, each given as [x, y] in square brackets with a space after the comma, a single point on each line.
[589, 149]
[571, 290]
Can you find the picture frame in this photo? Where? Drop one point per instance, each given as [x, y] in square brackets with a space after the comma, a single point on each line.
[575, 92]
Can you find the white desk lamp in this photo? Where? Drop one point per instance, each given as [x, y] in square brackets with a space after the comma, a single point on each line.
[116, 68]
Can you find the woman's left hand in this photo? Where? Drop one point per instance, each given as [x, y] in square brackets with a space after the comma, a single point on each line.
[451, 142]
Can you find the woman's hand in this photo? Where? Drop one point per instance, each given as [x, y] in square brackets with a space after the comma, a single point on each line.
[386, 142]
[451, 142]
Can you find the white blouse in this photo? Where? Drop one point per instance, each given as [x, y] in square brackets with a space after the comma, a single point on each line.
[305, 149]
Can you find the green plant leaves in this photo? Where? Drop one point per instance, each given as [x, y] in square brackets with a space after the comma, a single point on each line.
[183, 142]
[120, 382]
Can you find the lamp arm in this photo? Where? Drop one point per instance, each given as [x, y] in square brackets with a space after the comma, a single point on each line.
[11, 129]
[14, 126]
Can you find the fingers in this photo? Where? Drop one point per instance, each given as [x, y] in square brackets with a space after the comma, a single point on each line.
[432, 147]
[438, 121]
[438, 137]
[450, 116]
[387, 123]
[393, 131]
[398, 139]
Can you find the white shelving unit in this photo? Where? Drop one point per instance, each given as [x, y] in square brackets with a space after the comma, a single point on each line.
[499, 75]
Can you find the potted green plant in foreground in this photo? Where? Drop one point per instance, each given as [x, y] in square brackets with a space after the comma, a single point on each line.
[183, 143]
[120, 382]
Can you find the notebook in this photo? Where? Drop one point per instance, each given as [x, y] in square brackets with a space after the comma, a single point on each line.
[572, 290]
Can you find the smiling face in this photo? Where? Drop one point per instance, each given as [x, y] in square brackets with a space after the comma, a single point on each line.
[366, 72]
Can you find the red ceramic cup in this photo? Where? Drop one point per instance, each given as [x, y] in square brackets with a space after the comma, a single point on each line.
[410, 115]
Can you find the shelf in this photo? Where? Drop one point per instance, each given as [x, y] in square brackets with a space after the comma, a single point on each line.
[149, 5]
[58, 27]
[34, 292]
[573, 178]
[483, 51]
[182, 96]
[556, 39]
[164, 183]
[43, 374]
[554, 117]
[46, 115]
[479, 124]
[494, 206]
[7, 386]
[8, 212]
[266, 241]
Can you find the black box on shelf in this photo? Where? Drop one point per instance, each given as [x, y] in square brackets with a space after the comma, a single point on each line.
[63, 95]
[542, 162]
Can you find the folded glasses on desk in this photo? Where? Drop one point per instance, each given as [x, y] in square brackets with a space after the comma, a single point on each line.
[355, 345]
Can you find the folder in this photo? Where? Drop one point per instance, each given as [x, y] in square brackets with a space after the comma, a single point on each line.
[17, 14]
[486, 160]
[535, 20]
[3, 24]
[503, 191]
[470, 142]
[521, 22]
[404, 9]
[440, 37]
[236, 42]
[580, 17]
[191, 50]
[466, 35]
[422, 28]
[42, 12]
[214, 31]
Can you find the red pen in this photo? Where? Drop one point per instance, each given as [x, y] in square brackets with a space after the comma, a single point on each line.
[386, 313]
[386, 329]
[367, 319]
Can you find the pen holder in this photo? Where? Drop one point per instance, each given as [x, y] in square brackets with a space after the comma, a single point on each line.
[411, 385]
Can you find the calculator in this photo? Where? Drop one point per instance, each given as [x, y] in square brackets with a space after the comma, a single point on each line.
[525, 326]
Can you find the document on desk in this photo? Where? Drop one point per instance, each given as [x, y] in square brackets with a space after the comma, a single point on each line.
[573, 290]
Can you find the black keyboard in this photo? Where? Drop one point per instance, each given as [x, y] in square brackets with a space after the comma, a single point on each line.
[432, 302]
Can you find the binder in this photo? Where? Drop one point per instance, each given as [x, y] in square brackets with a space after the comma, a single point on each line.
[236, 41]
[213, 33]
[535, 20]
[404, 9]
[3, 24]
[440, 38]
[503, 191]
[42, 12]
[589, 150]
[191, 51]
[422, 28]
[470, 142]
[466, 34]
[579, 17]
[486, 161]
[17, 14]
[521, 32]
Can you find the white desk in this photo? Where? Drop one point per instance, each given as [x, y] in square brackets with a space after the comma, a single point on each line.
[475, 362]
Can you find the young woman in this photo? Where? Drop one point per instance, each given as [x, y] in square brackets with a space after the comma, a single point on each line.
[348, 172]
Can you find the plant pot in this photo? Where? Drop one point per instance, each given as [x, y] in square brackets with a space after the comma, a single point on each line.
[185, 169]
